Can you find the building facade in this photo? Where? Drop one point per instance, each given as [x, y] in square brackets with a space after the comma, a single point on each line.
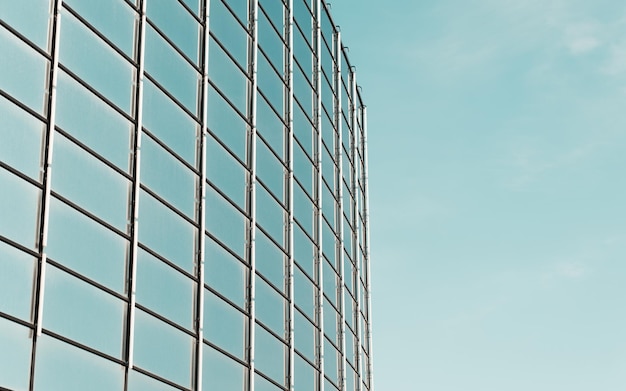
[183, 198]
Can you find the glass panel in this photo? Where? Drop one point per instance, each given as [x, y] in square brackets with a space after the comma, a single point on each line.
[331, 320]
[166, 232]
[227, 76]
[303, 130]
[305, 336]
[220, 373]
[171, 124]
[274, 9]
[240, 8]
[164, 290]
[270, 307]
[225, 326]
[89, 183]
[270, 126]
[227, 124]
[328, 242]
[140, 382]
[98, 126]
[171, 70]
[95, 62]
[350, 378]
[19, 208]
[330, 282]
[16, 281]
[60, 366]
[331, 359]
[262, 384]
[303, 91]
[113, 18]
[271, 42]
[270, 83]
[306, 376]
[349, 353]
[178, 24]
[229, 31]
[21, 136]
[29, 17]
[304, 292]
[270, 215]
[329, 204]
[304, 251]
[94, 251]
[226, 172]
[82, 312]
[303, 169]
[23, 71]
[168, 177]
[270, 170]
[270, 355]
[15, 345]
[225, 273]
[270, 260]
[303, 210]
[162, 349]
[225, 222]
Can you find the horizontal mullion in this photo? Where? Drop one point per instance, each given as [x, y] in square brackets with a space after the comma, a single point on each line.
[25, 40]
[230, 103]
[82, 346]
[16, 320]
[171, 207]
[274, 287]
[226, 248]
[170, 151]
[23, 106]
[164, 90]
[229, 55]
[159, 378]
[266, 377]
[165, 320]
[226, 299]
[226, 353]
[19, 246]
[273, 333]
[173, 45]
[21, 175]
[227, 198]
[169, 263]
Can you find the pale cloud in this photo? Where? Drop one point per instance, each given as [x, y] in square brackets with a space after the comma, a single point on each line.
[583, 45]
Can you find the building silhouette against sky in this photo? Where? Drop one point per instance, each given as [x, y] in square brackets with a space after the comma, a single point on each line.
[181, 207]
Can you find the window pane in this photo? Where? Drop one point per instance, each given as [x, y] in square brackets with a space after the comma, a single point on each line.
[225, 326]
[60, 366]
[29, 17]
[19, 208]
[306, 375]
[95, 62]
[226, 172]
[304, 292]
[331, 360]
[271, 215]
[82, 312]
[98, 125]
[94, 251]
[225, 222]
[168, 177]
[22, 70]
[305, 336]
[220, 373]
[270, 307]
[171, 70]
[227, 76]
[88, 182]
[270, 170]
[271, 127]
[21, 136]
[304, 251]
[270, 355]
[164, 290]
[162, 349]
[15, 345]
[166, 232]
[271, 84]
[171, 124]
[227, 124]
[225, 273]
[177, 23]
[261, 384]
[270, 260]
[16, 281]
[229, 31]
[140, 382]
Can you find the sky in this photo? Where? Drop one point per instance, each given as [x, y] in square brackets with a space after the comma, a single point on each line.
[497, 180]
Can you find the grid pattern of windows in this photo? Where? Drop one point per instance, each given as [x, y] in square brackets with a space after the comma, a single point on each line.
[183, 198]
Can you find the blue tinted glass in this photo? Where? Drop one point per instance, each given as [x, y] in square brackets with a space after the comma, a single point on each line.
[331, 359]
[19, 207]
[271, 84]
[220, 372]
[16, 281]
[227, 124]
[15, 345]
[227, 76]
[166, 120]
[270, 170]
[225, 273]
[229, 31]
[94, 250]
[225, 222]
[29, 17]
[304, 292]
[168, 177]
[270, 127]
[113, 18]
[305, 336]
[162, 349]
[99, 126]
[270, 307]
[60, 366]
[305, 375]
[82, 312]
[22, 71]
[224, 325]
[166, 232]
[269, 355]
[270, 260]
[261, 384]
[177, 23]
[88, 182]
[164, 290]
[171, 70]
[95, 62]
[226, 172]
[21, 136]
[140, 382]
[271, 216]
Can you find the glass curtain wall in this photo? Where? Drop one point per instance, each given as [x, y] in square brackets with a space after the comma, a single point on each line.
[183, 198]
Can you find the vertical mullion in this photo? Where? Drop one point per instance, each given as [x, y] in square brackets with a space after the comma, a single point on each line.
[291, 372]
[46, 181]
[202, 201]
[367, 253]
[320, 183]
[253, 54]
[136, 188]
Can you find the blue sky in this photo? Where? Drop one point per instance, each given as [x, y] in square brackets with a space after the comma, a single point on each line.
[497, 139]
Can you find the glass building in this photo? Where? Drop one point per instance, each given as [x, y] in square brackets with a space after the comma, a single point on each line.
[183, 198]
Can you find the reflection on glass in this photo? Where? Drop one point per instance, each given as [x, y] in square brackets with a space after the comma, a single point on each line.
[227, 76]
[262, 384]
[227, 124]
[16, 343]
[220, 372]
[270, 170]
[270, 307]
[60, 366]
[305, 336]
[16, 281]
[140, 382]
[225, 222]
[304, 292]
[19, 209]
[305, 378]
[225, 273]
[224, 171]
[29, 17]
[269, 355]
[82, 312]
[270, 260]
[177, 23]
[21, 136]
[162, 349]
[229, 31]
[331, 360]
[94, 251]
[224, 325]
